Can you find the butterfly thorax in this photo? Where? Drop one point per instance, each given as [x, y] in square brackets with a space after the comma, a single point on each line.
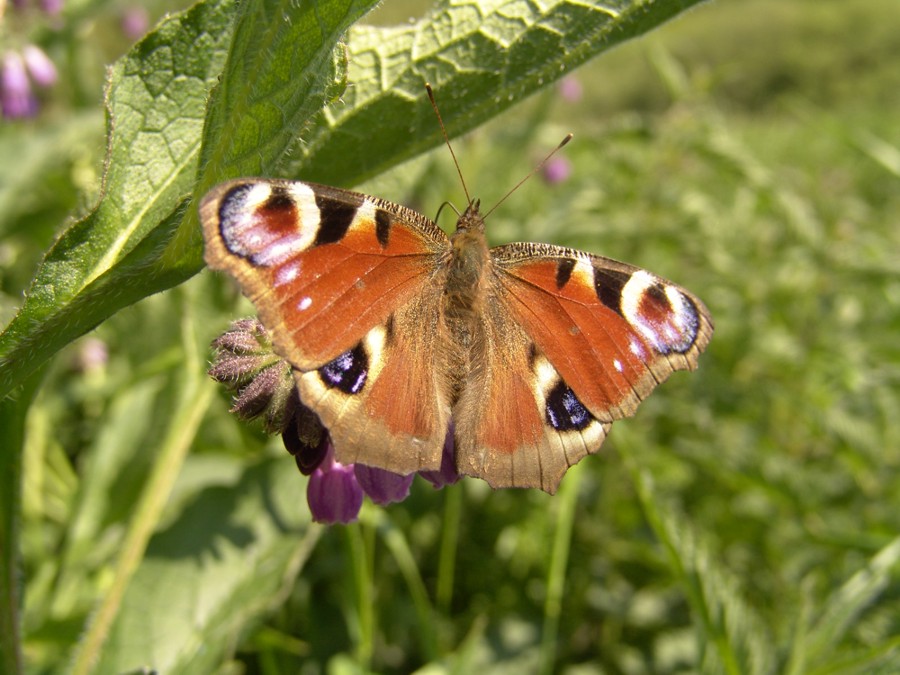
[467, 267]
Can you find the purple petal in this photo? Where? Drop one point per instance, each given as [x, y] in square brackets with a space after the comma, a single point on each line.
[383, 487]
[308, 457]
[92, 355]
[570, 89]
[42, 70]
[447, 474]
[16, 97]
[52, 7]
[135, 22]
[334, 495]
[556, 170]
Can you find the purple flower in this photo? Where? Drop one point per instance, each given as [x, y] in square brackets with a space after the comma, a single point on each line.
[556, 170]
[264, 387]
[16, 97]
[39, 65]
[304, 436]
[92, 355]
[383, 487]
[52, 7]
[246, 364]
[135, 22]
[447, 474]
[570, 89]
[333, 493]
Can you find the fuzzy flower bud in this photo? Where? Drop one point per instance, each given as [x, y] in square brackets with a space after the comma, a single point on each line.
[245, 363]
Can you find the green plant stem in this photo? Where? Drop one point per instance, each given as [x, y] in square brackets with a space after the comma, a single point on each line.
[449, 545]
[559, 560]
[13, 411]
[361, 563]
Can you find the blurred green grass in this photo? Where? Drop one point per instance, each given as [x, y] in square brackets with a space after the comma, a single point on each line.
[748, 152]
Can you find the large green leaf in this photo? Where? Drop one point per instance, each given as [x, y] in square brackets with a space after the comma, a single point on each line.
[155, 105]
[481, 58]
[209, 576]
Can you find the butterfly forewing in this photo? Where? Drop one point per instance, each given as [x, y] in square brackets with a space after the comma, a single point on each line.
[323, 266]
[612, 331]
[339, 279]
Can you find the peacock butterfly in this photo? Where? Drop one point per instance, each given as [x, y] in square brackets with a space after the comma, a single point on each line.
[394, 330]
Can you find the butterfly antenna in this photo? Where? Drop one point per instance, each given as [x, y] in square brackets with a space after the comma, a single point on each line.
[530, 173]
[447, 140]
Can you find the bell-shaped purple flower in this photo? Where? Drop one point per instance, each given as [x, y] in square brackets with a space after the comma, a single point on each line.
[305, 437]
[557, 170]
[333, 492]
[52, 7]
[135, 22]
[40, 67]
[383, 487]
[447, 474]
[570, 89]
[244, 362]
[16, 97]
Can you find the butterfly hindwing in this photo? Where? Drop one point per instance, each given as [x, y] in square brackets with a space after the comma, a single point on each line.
[517, 423]
[385, 403]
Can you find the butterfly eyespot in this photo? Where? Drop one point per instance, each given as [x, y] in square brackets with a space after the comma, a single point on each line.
[348, 372]
[263, 223]
[665, 317]
[564, 411]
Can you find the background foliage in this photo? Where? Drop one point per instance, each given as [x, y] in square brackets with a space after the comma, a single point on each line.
[745, 521]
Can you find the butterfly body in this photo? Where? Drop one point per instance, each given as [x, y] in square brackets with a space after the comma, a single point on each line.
[395, 330]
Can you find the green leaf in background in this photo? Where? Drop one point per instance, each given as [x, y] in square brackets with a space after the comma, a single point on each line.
[481, 58]
[731, 636]
[209, 576]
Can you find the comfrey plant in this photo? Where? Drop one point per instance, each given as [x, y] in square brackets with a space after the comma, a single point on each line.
[245, 362]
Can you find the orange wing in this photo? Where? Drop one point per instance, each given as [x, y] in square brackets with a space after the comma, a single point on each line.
[613, 331]
[322, 265]
[345, 284]
[573, 342]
